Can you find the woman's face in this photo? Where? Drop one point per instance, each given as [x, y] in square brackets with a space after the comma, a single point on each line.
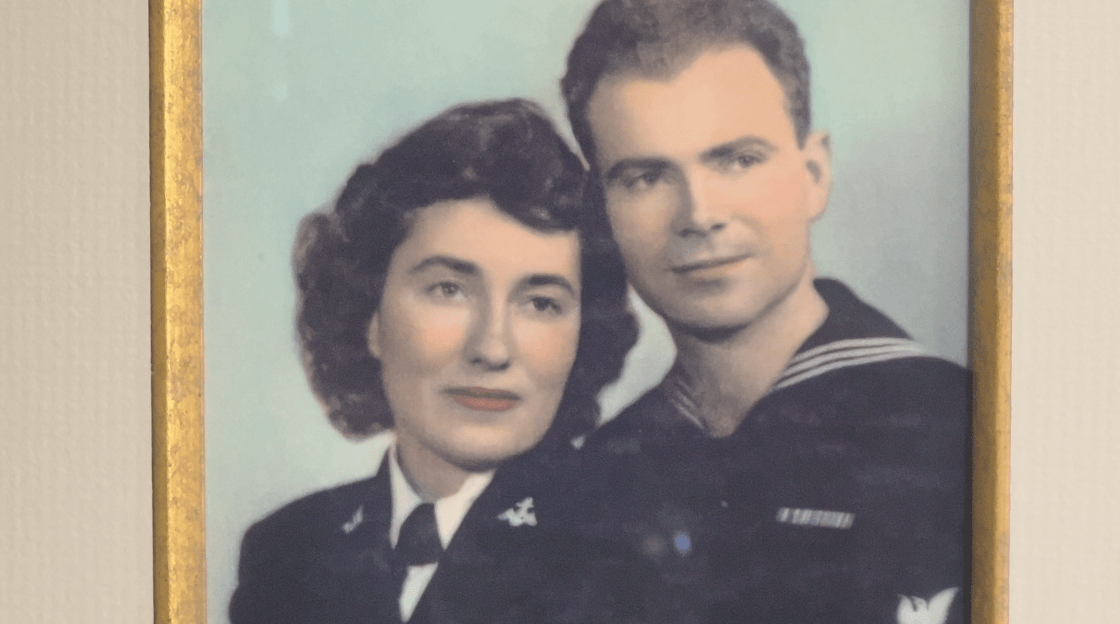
[476, 334]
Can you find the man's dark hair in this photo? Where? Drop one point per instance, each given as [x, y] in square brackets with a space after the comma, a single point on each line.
[657, 38]
[508, 152]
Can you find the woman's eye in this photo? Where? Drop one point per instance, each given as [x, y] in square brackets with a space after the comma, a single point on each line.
[545, 305]
[446, 290]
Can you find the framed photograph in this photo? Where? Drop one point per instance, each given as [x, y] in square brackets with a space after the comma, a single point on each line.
[262, 109]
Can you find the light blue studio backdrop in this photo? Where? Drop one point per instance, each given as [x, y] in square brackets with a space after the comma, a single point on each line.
[297, 92]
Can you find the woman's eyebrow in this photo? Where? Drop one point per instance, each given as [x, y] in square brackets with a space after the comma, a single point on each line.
[549, 279]
[455, 264]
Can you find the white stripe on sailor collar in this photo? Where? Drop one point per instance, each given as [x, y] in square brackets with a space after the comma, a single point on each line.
[803, 366]
[845, 354]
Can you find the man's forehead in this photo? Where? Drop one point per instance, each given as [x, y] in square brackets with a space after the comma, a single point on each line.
[721, 92]
[665, 61]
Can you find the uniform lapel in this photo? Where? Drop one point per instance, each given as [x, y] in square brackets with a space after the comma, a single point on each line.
[350, 571]
[493, 557]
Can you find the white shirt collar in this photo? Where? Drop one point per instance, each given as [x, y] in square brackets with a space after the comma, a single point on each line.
[450, 510]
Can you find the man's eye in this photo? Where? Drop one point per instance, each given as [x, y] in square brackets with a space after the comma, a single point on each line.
[739, 162]
[641, 181]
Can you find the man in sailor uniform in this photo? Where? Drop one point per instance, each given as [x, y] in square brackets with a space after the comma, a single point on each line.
[804, 460]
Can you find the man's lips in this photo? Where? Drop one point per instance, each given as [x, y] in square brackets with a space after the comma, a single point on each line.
[700, 266]
[484, 399]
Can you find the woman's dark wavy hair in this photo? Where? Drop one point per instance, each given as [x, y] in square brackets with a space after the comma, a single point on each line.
[506, 151]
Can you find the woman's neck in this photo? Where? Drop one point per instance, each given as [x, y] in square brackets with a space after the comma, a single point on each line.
[430, 476]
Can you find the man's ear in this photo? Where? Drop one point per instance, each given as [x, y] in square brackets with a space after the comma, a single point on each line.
[818, 160]
[373, 336]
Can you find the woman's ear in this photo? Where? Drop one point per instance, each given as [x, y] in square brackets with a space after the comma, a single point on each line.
[373, 336]
[818, 160]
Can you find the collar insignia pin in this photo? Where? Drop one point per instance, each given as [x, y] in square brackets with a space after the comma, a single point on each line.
[519, 514]
[353, 523]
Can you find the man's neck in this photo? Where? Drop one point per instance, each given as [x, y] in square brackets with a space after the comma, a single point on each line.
[728, 376]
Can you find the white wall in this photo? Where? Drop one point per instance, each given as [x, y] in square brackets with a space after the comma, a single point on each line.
[74, 424]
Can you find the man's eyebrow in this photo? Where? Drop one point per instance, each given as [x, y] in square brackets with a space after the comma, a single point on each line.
[724, 151]
[549, 279]
[454, 264]
[627, 164]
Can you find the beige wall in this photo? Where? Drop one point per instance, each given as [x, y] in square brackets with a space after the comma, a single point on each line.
[75, 490]
[1065, 375]
[74, 425]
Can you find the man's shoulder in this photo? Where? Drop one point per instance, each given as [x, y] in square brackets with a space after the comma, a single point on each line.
[915, 373]
[918, 403]
[880, 370]
[650, 419]
[860, 354]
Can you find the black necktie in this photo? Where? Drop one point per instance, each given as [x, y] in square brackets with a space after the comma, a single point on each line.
[418, 542]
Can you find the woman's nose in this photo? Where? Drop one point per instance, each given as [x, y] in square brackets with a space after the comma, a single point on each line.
[490, 343]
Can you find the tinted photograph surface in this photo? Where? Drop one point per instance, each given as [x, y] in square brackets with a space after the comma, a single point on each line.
[451, 296]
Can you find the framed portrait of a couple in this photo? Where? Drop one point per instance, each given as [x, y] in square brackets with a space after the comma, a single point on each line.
[666, 311]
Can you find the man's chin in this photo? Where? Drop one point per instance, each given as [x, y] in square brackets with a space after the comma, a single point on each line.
[707, 329]
[714, 317]
[709, 322]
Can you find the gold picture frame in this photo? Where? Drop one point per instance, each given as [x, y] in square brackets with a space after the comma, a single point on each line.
[178, 507]
[177, 341]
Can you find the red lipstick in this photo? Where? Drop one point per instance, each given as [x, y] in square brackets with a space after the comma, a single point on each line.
[484, 399]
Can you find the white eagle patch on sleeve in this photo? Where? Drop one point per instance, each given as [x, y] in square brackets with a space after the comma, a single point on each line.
[915, 610]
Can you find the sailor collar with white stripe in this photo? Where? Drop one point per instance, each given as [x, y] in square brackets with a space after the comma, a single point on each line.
[852, 334]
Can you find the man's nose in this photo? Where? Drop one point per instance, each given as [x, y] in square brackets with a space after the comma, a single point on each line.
[700, 211]
[489, 346]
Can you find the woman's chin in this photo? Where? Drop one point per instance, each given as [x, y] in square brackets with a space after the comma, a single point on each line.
[487, 453]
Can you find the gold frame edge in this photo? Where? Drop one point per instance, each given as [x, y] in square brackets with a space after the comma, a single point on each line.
[990, 193]
[179, 515]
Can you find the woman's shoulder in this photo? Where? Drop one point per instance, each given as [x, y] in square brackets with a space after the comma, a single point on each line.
[322, 512]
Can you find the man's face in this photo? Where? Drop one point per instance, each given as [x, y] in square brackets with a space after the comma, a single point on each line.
[708, 191]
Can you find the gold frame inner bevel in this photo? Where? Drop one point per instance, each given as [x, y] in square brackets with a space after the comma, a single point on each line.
[177, 340]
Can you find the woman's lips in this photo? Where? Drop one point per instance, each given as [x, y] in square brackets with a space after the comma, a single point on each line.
[484, 399]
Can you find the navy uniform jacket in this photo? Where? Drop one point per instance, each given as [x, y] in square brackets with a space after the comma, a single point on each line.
[843, 493]
[325, 559]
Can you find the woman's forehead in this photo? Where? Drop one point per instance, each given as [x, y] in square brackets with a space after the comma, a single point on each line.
[476, 232]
